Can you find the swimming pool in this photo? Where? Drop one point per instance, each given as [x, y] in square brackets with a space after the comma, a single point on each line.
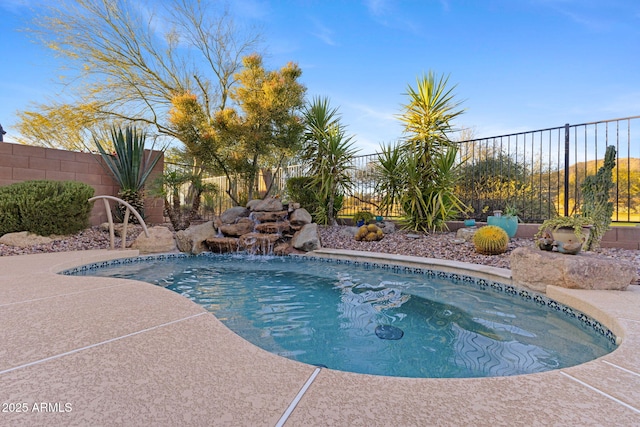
[346, 315]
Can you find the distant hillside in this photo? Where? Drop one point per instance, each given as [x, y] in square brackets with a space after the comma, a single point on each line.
[623, 165]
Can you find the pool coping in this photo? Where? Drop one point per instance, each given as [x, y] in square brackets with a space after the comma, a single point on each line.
[126, 352]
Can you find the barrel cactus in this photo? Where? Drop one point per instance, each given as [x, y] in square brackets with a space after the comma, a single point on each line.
[369, 233]
[491, 240]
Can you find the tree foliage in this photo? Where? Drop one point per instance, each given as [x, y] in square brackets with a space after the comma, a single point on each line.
[126, 60]
[65, 126]
[257, 133]
[266, 126]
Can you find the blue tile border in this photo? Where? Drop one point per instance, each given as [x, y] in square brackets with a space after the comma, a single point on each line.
[466, 280]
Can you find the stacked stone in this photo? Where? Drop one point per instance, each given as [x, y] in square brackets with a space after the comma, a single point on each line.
[264, 227]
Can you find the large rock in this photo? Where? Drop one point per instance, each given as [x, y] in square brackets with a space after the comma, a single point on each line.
[537, 269]
[192, 240]
[307, 238]
[24, 239]
[279, 227]
[300, 217]
[387, 227]
[258, 243]
[243, 226]
[466, 233]
[160, 240]
[270, 204]
[284, 248]
[223, 245]
[251, 204]
[231, 215]
[269, 216]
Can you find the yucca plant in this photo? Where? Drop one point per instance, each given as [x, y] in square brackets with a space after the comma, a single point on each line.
[390, 174]
[421, 170]
[129, 165]
[329, 152]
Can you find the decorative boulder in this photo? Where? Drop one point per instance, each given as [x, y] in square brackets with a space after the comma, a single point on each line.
[387, 227]
[242, 226]
[258, 244]
[251, 204]
[293, 206]
[300, 217]
[269, 216]
[349, 232]
[307, 238]
[466, 234]
[270, 204]
[284, 248]
[23, 239]
[160, 240]
[231, 215]
[279, 227]
[221, 245]
[192, 240]
[537, 269]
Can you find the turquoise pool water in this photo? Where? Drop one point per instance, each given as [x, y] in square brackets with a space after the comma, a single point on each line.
[377, 319]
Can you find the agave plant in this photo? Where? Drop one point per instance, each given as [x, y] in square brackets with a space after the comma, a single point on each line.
[129, 164]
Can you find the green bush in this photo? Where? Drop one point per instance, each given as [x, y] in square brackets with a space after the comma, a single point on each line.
[302, 190]
[45, 207]
[299, 192]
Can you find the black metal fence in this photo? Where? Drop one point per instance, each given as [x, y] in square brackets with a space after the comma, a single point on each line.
[538, 173]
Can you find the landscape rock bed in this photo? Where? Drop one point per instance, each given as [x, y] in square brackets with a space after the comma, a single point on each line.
[435, 245]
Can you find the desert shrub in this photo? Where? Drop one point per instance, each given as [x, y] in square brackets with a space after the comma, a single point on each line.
[9, 213]
[45, 207]
[305, 191]
[299, 192]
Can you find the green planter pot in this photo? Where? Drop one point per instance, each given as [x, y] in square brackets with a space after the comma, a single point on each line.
[507, 223]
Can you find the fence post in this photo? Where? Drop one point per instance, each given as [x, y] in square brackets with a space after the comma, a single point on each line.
[566, 169]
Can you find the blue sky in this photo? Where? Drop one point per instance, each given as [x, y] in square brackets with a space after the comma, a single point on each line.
[518, 64]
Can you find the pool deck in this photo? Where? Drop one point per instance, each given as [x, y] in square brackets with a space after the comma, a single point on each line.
[97, 351]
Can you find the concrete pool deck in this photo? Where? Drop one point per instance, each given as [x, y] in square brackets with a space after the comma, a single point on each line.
[77, 350]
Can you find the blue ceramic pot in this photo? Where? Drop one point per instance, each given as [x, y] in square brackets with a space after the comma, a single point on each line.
[507, 223]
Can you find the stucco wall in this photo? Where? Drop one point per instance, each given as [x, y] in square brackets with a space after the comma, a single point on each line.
[24, 163]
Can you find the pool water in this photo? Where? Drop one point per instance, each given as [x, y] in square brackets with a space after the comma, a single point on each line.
[337, 314]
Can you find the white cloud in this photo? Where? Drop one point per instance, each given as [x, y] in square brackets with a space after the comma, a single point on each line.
[323, 33]
[387, 14]
[367, 111]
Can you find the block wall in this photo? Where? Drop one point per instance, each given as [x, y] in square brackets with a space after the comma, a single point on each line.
[624, 237]
[24, 163]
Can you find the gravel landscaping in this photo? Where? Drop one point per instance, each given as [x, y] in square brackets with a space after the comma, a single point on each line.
[436, 245]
